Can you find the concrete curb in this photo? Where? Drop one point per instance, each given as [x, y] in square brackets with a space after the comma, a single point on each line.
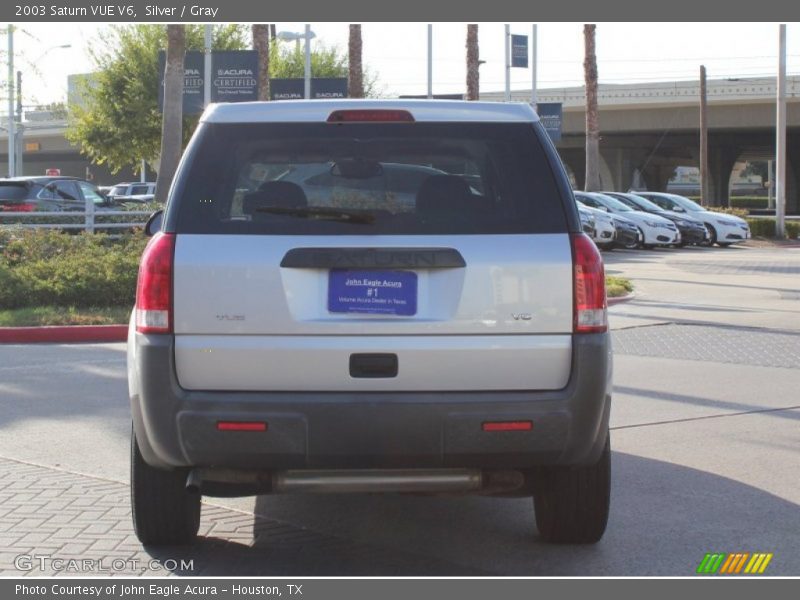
[74, 334]
[621, 299]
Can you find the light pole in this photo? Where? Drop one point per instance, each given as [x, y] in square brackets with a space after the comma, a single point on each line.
[18, 127]
[11, 133]
[307, 35]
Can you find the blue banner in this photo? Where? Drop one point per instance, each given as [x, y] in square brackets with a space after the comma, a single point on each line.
[550, 114]
[519, 51]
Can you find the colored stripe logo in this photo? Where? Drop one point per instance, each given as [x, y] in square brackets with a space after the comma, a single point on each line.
[736, 563]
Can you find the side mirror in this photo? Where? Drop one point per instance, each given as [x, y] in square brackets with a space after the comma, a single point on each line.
[678, 209]
[153, 225]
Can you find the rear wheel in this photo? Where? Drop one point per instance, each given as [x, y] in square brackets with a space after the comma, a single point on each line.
[571, 503]
[164, 512]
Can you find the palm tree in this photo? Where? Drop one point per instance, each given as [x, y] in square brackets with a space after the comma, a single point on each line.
[592, 183]
[355, 73]
[473, 73]
[172, 120]
[261, 45]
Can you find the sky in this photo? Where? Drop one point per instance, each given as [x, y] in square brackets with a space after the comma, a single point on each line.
[397, 53]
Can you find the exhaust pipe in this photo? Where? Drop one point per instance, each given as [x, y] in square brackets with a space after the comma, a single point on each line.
[375, 480]
[223, 482]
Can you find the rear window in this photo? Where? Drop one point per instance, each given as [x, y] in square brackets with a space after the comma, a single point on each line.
[16, 191]
[328, 179]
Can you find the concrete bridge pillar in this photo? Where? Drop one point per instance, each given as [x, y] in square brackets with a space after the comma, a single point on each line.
[793, 174]
[722, 157]
[657, 175]
[621, 164]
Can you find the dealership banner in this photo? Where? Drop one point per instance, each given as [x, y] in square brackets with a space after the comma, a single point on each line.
[550, 114]
[321, 88]
[519, 51]
[234, 78]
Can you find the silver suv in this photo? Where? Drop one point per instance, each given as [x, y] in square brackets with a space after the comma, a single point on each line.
[370, 296]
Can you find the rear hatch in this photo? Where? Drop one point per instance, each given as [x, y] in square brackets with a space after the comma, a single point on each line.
[15, 196]
[371, 256]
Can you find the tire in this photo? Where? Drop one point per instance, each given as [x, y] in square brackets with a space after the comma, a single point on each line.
[713, 233]
[164, 512]
[572, 503]
[642, 244]
[632, 245]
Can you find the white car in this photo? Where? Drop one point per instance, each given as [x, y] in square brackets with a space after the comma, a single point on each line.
[655, 230]
[604, 231]
[723, 229]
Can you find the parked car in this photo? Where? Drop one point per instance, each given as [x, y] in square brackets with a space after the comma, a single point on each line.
[723, 229]
[140, 192]
[604, 233]
[693, 231]
[587, 222]
[457, 344]
[628, 235]
[49, 194]
[655, 230]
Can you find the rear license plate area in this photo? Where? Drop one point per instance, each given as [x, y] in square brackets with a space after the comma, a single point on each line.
[372, 292]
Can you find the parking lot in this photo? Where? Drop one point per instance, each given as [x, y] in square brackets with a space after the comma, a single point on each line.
[705, 439]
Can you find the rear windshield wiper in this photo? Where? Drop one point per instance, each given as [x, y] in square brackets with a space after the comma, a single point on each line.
[320, 212]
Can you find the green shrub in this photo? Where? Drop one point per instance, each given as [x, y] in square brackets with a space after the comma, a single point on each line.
[739, 212]
[40, 268]
[766, 228]
[749, 202]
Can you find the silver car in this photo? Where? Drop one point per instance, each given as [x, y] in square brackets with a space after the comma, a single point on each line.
[431, 319]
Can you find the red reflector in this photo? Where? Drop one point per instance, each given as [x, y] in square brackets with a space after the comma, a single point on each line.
[508, 426]
[241, 426]
[381, 115]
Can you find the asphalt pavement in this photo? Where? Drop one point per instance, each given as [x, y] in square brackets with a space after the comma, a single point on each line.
[705, 439]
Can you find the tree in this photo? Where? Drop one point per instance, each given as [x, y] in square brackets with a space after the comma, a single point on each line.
[592, 122]
[473, 63]
[355, 74]
[172, 123]
[116, 120]
[287, 61]
[261, 45]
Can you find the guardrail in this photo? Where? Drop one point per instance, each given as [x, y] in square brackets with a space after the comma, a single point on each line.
[92, 219]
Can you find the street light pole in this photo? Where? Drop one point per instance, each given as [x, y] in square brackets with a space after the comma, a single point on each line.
[307, 88]
[430, 61]
[16, 128]
[19, 144]
[207, 34]
[507, 43]
[12, 137]
[780, 142]
[534, 58]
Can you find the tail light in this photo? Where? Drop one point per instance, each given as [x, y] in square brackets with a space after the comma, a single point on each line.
[589, 286]
[23, 207]
[154, 288]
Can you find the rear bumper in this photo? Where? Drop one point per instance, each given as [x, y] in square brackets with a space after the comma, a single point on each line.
[177, 428]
